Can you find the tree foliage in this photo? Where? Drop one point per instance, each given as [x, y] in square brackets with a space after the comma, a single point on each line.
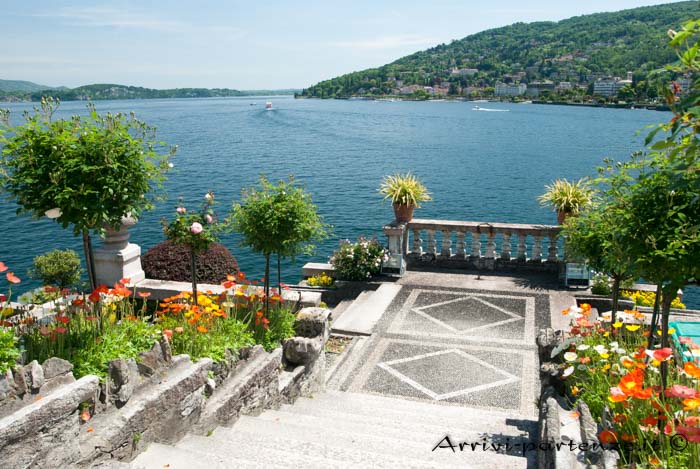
[95, 169]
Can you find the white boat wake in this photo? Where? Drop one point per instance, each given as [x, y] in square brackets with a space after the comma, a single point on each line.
[478, 108]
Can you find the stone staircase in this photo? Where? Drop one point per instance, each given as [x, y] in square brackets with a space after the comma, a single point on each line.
[341, 429]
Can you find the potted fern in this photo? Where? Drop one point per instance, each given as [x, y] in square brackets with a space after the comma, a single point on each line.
[406, 192]
[567, 198]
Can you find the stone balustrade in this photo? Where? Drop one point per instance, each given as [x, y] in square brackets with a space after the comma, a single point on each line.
[469, 244]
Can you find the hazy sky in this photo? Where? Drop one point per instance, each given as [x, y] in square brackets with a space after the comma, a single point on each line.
[252, 44]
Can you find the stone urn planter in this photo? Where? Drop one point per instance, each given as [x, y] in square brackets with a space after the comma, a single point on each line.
[562, 215]
[403, 212]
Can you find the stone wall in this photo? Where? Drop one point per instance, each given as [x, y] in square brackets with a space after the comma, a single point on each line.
[50, 420]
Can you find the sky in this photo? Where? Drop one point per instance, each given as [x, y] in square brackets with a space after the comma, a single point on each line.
[258, 44]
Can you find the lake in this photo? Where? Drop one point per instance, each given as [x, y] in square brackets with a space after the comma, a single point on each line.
[485, 166]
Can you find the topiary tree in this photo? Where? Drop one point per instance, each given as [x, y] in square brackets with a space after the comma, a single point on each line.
[86, 171]
[278, 219]
[58, 268]
[172, 261]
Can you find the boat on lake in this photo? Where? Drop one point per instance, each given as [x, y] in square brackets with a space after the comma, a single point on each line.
[268, 106]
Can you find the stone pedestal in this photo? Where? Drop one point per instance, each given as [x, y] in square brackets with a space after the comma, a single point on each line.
[117, 258]
[396, 239]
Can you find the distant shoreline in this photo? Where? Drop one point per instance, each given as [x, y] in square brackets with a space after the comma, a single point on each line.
[631, 106]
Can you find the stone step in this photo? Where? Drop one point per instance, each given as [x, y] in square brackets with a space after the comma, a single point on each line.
[235, 442]
[420, 434]
[409, 412]
[341, 435]
[364, 314]
[159, 456]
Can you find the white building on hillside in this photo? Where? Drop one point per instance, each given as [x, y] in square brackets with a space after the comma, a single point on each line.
[505, 89]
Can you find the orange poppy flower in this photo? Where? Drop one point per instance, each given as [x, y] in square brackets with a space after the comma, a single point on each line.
[78, 302]
[241, 276]
[692, 370]
[691, 403]
[125, 281]
[608, 437]
[3, 267]
[649, 421]
[259, 314]
[643, 393]
[266, 323]
[616, 394]
[228, 284]
[168, 333]
[12, 278]
[144, 294]
[202, 329]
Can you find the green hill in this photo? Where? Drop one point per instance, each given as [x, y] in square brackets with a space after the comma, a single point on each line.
[22, 86]
[109, 91]
[577, 50]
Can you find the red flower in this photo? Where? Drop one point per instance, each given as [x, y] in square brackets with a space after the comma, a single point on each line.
[61, 330]
[662, 354]
[649, 421]
[3, 297]
[12, 278]
[168, 333]
[259, 314]
[3, 267]
[228, 284]
[125, 281]
[63, 319]
[607, 437]
[266, 323]
[241, 276]
[78, 302]
[144, 294]
[255, 282]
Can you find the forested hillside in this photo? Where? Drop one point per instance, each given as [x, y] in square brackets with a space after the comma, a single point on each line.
[576, 50]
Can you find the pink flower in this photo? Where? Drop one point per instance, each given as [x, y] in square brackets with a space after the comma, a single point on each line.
[196, 228]
[181, 210]
[680, 391]
[209, 219]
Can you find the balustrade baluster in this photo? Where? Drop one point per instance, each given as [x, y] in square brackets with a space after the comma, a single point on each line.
[417, 243]
[446, 250]
[522, 247]
[537, 248]
[491, 245]
[552, 252]
[431, 242]
[505, 249]
[476, 244]
[461, 245]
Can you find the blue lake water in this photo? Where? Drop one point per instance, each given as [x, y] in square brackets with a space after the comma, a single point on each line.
[486, 166]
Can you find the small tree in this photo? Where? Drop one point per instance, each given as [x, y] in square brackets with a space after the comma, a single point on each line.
[58, 268]
[89, 171]
[278, 219]
[197, 231]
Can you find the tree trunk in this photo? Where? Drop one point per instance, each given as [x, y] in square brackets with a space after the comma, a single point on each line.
[669, 293]
[615, 298]
[193, 267]
[89, 261]
[267, 284]
[654, 317]
[279, 276]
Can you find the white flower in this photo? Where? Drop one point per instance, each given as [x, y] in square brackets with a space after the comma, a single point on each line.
[568, 371]
[570, 356]
[170, 165]
[583, 347]
[600, 349]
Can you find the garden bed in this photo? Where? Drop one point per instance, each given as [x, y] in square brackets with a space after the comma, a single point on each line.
[52, 420]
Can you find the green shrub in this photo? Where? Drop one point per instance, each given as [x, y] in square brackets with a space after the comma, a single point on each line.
[359, 261]
[8, 349]
[58, 268]
[281, 326]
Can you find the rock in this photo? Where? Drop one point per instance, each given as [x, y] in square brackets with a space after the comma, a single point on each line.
[589, 433]
[166, 349]
[248, 353]
[7, 385]
[123, 377]
[151, 361]
[312, 322]
[192, 402]
[56, 367]
[34, 376]
[209, 387]
[302, 350]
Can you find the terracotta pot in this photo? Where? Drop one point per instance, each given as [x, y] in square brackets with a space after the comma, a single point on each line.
[561, 216]
[403, 213]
